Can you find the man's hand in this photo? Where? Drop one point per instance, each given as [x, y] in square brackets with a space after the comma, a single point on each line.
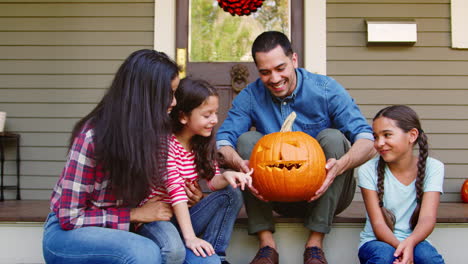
[333, 167]
[233, 160]
[361, 151]
[153, 210]
[194, 192]
[257, 194]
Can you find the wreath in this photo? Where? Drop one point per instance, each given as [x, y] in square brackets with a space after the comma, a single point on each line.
[240, 7]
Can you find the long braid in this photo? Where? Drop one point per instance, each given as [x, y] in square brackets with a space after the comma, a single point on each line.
[423, 153]
[389, 217]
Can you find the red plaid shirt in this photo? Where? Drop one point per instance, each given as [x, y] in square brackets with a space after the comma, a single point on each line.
[82, 196]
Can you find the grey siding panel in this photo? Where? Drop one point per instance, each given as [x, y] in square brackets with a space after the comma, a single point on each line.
[36, 168]
[443, 112]
[68, 52]
[425, 39]
[44, 139]
[58, 67]
[390, 1]
[395, 54]
[47, 125]
[57, 58]
[55, 81]
[77, 24]
[420, 97]
[52, 95]
[17, 111]
[359, 25]
[430, 76]
[39, 153]
[77, 9]
[375, 9]
[397, 68]
[76, 38]
[404, 82]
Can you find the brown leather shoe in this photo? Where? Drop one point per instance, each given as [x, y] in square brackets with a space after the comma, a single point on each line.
[314, 255]
[266, 255]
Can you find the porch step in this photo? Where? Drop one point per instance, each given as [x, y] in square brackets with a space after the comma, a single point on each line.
[21, 234]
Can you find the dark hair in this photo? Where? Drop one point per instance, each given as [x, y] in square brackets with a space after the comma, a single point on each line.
[131, 124]
[269, 40]
[190, 94]
[406, 119]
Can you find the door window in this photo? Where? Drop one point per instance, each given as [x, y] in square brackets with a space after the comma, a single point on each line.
[217, 36]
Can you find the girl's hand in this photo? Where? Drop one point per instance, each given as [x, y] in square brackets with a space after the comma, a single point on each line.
[194, 192]
[152, 210]
[404, 252]
[199, 247]
[236, 179]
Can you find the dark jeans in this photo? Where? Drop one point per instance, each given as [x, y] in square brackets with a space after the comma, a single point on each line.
[318, 215]
[378, 252]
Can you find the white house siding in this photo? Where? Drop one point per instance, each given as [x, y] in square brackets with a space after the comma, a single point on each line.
[430, 76]
[56, 60]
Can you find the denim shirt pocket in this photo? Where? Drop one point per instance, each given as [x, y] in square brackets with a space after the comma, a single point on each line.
[313, 128]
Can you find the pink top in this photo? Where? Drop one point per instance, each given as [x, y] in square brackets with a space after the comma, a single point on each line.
[180, 168]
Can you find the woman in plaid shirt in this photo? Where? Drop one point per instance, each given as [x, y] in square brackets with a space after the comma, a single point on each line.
[115, 156]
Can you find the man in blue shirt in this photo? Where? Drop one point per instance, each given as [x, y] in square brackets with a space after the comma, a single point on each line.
[325, 111]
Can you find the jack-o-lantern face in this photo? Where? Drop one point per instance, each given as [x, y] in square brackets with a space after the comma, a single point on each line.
[288, 166]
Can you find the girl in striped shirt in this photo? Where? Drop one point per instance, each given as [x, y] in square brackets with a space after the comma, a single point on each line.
[206, 226]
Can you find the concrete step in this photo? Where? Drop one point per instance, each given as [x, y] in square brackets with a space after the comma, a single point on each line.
[21, 242]
[341, 244]
[21, 235]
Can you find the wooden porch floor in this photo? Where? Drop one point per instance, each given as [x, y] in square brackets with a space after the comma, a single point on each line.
[36, 211]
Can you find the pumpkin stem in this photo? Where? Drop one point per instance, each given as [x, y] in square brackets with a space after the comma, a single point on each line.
[288, 123]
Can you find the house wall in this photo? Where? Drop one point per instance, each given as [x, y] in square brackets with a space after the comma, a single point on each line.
[430, 76]
[57, 57]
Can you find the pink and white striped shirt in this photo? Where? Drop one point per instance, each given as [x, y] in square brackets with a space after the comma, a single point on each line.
[180, 168]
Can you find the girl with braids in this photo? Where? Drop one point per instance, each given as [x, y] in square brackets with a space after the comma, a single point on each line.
[114, 156]
[191, 156]
[401, 192]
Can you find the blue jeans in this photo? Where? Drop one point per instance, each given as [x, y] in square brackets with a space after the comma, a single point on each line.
[213, 220]
[378, 252]
[167, 237]
[96, 245]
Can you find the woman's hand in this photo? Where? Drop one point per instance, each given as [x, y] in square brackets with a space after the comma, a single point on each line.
[194, 192]
[239, 179]
[199, 246]
[153, 210]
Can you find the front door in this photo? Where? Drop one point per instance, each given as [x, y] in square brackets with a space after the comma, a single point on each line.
[216, 45]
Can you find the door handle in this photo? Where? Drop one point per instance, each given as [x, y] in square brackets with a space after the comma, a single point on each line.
[181, 60]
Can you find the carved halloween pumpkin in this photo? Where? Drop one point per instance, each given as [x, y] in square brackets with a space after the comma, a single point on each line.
[464, 191]
[288, 166]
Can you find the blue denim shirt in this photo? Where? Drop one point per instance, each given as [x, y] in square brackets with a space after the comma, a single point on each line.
[319, 101]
